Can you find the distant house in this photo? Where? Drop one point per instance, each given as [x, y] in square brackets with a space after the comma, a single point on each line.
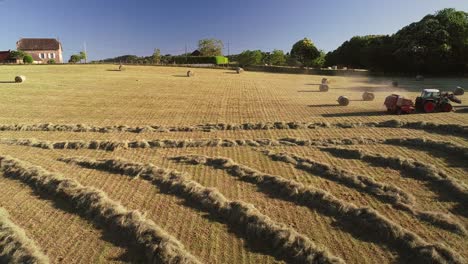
[196, 53]
[41, 49]
[5, 57]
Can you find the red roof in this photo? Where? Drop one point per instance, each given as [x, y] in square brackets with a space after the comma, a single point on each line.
[4, 55]
[38, 44]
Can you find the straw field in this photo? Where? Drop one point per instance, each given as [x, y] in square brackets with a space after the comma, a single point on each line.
[148, 165]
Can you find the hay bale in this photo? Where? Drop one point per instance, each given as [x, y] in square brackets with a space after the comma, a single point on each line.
[368, 96]
[419, 78]
[395, 84]
[325, 81]
[20, 79]
[239, 70]
[343, 100]
[323, 88]
[190, 74]
[459, 91]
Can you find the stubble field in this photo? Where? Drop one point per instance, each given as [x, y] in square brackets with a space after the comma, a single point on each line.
[147, 165]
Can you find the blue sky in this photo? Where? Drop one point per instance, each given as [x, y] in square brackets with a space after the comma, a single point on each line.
[118, 27]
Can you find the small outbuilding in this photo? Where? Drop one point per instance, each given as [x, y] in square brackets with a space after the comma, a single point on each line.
[6, 58]
[196, 53]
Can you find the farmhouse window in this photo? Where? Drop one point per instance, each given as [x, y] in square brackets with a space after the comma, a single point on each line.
[51, 55]
[42, 55]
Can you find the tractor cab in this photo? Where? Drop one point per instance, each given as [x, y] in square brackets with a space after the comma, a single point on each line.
[430, 94]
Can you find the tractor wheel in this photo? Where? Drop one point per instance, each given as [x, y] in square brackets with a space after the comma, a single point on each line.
[446, 107]
[429, 107]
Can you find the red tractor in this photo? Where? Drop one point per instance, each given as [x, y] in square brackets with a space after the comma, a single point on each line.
[397, 104]
[432, 100]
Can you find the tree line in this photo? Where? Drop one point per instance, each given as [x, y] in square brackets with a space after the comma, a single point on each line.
[438, 43]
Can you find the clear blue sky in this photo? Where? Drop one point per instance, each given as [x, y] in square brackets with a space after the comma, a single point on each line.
[118, 27]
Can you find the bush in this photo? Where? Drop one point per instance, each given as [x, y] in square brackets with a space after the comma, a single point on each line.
[199, 60]
[74, 58]
[51, 61]
[250, 57]
[277, 57]
[28, 59]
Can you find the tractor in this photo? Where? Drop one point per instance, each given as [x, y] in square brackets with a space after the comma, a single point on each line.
[397, 104]
[432, 100]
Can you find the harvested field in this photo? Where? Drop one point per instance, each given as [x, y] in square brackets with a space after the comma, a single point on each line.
[137, 166]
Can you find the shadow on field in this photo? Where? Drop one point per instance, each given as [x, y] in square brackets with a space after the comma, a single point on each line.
[240, 231]
[7, 82]
[315, 84]
[180, 75]
[443, 194]
[230, 73]
[452, 160]
[131, 254]
[309, 91]
[344, 224]
[389, 89]
[461, 109]
[367, 113]
[114, 70]
[324, 105]
[257, 246]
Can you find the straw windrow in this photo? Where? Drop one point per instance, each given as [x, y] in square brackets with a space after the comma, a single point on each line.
[15, 245]
[283, 240]
[159, 246]
[383, 229]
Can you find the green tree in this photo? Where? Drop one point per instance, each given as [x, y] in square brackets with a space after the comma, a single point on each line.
[436, 44]
[17, 54]
[305, 51]
[210, 47]
[266, 58]
[277, 57]
[74, 58]
[83, 56]
[28, 59]
[156, 58]
[319, 62]
[250, 57]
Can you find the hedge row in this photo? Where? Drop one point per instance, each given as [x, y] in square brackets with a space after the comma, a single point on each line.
[199, 60]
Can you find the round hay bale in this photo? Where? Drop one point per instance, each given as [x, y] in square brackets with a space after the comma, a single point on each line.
[459, 91]
[239, 70]
[343, 100]
[419, 78]
[325, 81]
[190, 74]
[368, 96]
[395, 84]
[20, 79]
[324, 88]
